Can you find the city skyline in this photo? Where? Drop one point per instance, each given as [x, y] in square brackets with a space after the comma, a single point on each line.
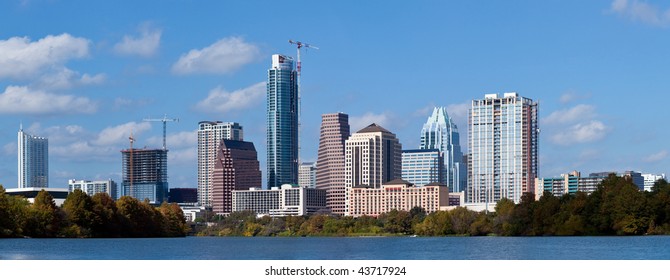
[92, 78]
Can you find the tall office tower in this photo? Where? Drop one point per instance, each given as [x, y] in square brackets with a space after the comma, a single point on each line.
[33, 161]
[210, 135]
[236, 168]
[503, 138]
[307, 175]
[440, 132]
[373, 156]
[330, 161]
[423, 167]
[282, 122]
[144, 174]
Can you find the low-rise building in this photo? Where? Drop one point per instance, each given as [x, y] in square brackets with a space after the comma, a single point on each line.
[650, 180]
[92, 188]
[287, 200]
[397, 194]
[570, 183]
[59, 194]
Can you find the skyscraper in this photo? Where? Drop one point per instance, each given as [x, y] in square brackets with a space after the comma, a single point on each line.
[503, 138]
[373, 157]
[236, 168]
[33, 157]
[144, 174]
[423, 167]
[440, 132]
[307, 175]
[282, 122]
[210, 135]
[330, 162]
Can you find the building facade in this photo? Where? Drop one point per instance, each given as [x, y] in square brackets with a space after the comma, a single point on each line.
[92, 188]
[287, 200]
[33, 156]
[307, 175]
[210, 134]
[635, 177]
[144, 174]
[373, 156]
[396, 195]
[330, 163]
[422, 167]
[236, 168]
[282, 122]
[183, 196]
[570, 183]
[440, 132]
[503, 140]
[650, 180]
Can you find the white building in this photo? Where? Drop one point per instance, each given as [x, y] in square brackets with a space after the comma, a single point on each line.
[93, 187]
[650, 179]
[287, 200]
[210, 135]
[33, 155]
[307, 175]
[59, 194]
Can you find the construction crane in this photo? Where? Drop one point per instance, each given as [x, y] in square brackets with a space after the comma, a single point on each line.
[165, 119]
[299, 66]
[130, 164]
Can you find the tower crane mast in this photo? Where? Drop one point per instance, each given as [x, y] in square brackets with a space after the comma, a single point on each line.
[299, 46]
[164, 120]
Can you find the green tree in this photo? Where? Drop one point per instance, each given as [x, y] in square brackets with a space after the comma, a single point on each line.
[175, 224]
[462, 220]
[105, 210]
[13, 214]
[397, 222]
[78, 208]
[44, 217]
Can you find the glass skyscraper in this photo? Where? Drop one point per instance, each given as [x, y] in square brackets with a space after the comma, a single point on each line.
[282, 122]
[503, 139]
[440, 132]
[423, 167]
[33, 161]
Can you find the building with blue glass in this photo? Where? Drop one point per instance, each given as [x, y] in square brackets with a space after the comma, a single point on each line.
[282, 122]
[440, 132]
[33, 158]
[144, 174]
[422, 167]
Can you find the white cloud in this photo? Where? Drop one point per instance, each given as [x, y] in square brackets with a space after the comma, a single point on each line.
[185, 157]
[221, 101]
[224, 56]
[641, 11]
[65, 78]
[581, 133]
[146, 44]
[22, 100]
[571, 96]
[359, 122]
[460, 113]
[176, 140]
[22, 59]
[656, 157]
[10, 148]
[575, 114]
[120, 133]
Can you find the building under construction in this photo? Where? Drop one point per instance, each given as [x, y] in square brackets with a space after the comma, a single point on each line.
[144, 174]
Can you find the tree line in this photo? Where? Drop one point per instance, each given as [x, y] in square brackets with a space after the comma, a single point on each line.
[84, 216]
[617, 207]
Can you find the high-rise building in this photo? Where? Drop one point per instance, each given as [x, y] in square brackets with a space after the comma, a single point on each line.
[210, 134]
[282, 122]
[307, 175]
[440, 132]
[92, 188]
[33, 161]
[373, 157]
[422, 167]
[330, 162]
[144, 174]
[650, 180]
[503, 141]
[236, 168]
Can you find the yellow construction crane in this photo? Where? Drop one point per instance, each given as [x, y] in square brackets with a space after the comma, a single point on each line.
[165, 119]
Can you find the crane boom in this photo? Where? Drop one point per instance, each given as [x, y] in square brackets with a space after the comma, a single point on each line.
[299, 68]
[164, 120]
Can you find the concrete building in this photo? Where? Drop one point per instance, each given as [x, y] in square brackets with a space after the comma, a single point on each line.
[210, 134]
[282, 122]
[330, 163]
[59, 194]
[397, 194]
[144, 174]
[650, 179]
[440, 132]
[287, 200]
[636, 177]
[569, 183]
[422, 167]
[307, 175]
[236, 168]
[33, 158]
[503, 141]
[92, 188]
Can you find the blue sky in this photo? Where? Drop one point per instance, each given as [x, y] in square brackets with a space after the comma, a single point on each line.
[86, 73]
